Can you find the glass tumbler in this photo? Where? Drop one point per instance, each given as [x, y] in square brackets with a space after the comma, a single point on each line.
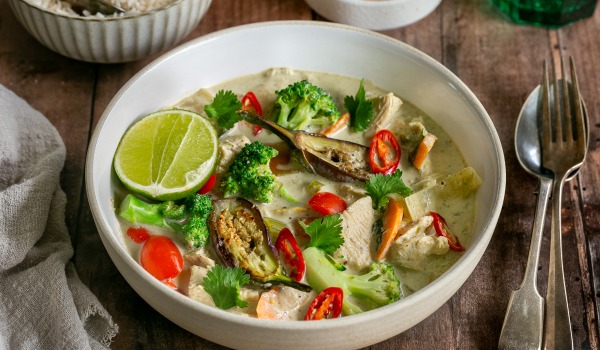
[546, 13]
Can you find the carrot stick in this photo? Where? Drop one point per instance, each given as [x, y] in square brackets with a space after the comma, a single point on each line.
[423, 150]
[266, 307]
[391, 224]
[337, 126]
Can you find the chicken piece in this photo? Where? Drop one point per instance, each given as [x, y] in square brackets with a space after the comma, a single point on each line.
[385, 109]
[283, 303]
[357, 225]
[200, 257]
[196, 289]
[229, 147]
[411, 134]
[416, 244]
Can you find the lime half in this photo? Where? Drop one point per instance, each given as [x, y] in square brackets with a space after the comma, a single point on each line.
[167, 155]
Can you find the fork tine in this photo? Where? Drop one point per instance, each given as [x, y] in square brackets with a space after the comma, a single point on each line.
[579, 127]
[546, 127]
[556, 122]
[567, 122]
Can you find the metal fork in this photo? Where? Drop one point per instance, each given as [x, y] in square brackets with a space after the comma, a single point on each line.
[564, 148]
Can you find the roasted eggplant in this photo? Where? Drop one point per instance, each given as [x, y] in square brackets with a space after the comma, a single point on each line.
[241, 239]
[336, 159]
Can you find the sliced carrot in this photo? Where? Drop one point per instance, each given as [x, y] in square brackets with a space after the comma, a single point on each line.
[265, 308]
[337, 126]
[392, 220]
[423, 150]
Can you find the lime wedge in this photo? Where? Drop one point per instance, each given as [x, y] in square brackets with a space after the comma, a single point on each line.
[167, 155]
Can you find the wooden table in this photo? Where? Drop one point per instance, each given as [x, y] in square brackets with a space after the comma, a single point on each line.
[498, 60]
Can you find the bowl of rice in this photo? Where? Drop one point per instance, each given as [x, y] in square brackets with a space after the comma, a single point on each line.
[143, 29]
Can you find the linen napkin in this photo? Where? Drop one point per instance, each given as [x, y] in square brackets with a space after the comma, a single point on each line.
[43, 303]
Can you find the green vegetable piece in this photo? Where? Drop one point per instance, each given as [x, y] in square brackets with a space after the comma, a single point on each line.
[302, 104]
[285, 194]
[249, 174]
[224, 109]
[453, 187]
[223, 284]
[325, 233]
[189, 218]
[137, 211]
[314, 187]
[379, 187]
[360, 109]
[379, 286]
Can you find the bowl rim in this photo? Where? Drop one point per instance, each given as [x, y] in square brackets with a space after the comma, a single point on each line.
[471, 256]
[105, 19]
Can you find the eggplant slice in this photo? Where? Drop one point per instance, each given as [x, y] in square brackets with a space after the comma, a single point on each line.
[241, 239]
[335, 159]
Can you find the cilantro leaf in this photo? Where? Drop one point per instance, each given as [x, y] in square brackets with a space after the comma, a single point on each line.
[223, 284]
[380, 186]
[224, 109]
[325, 233]
[360, 109]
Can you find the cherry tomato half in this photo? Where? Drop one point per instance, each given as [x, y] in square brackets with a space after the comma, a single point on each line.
[161, 258]
[327, 304]
[327, 203]
[441, 229]
[292, 254]
[384, 152]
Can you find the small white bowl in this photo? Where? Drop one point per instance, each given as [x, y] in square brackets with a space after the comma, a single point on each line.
[374, 14]
[215, 58]
[113, 39]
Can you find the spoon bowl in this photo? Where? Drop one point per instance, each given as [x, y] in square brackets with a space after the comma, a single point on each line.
[527, 141]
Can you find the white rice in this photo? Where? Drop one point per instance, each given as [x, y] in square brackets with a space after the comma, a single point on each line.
[131, 7]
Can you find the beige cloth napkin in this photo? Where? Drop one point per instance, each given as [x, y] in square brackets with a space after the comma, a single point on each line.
[43, 303]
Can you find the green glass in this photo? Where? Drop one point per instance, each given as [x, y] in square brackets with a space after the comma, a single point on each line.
[546, 13]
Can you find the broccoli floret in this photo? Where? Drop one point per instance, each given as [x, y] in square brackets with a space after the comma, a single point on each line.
[190, 217]
[303, 104]
[249, 174]
[379, 286]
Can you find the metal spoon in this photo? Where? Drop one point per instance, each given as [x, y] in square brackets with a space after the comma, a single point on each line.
[94, 6]
[524, 321]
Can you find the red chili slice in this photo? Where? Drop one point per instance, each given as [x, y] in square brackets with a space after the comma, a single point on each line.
[441, 228]
[327, 203]
[328, 304]
[138, 234]
[208, 185]
[292, 254]
[250, 103]
[384, 153]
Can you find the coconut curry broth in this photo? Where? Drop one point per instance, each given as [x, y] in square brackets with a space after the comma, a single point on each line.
[443, 159]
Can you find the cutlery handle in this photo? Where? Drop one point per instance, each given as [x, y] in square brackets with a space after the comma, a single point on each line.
[524, 321]
[558, 323]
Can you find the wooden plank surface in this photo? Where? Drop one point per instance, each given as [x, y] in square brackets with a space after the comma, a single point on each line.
[498, 60]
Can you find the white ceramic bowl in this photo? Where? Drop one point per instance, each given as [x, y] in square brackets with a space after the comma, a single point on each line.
[374, 14]
[392, 65]
[114, 39]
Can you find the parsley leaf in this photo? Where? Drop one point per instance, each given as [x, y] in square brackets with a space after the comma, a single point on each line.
[224, 109]
[223, 284]
[380, 186]
[325, 233]
[360, 109]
